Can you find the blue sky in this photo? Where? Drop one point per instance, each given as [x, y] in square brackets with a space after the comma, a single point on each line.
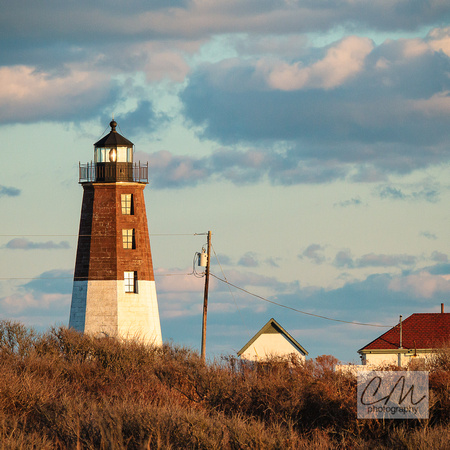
[311, 138]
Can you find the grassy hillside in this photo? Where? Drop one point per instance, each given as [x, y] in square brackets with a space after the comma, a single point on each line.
[66, 390]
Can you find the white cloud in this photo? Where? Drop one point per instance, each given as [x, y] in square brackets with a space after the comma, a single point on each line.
[435, 105]
[439, 40]
[178, 281]
[26, 244]
[422, 284]
[30, 301]
[160, 60]
[27, 94]
[341, 62]
[413, 48]
[166, 65]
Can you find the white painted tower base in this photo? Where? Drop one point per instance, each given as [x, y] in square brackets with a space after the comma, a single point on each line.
[102, 308]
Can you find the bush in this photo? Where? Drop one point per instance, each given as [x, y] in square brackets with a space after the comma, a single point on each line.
[63, 389]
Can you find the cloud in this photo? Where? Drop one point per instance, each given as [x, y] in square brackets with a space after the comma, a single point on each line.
[30, 95]
[341, 62]
[41, 301]
[439, 269]
[389, 117]
[51, 282]
[439, 40]
[142, 119]
[25, 244]
[81, 22]
[439, 257]
[224, 260]
[314, 253]
[380, 260]
[167, 63]
[427, 194]
[356, 201]
[181, 295]
[29, 304]
[174, 171]
[7, 191]
[248, 260]
[422, 284]
[350, 109]
[246, 279]
[273, 262]
[428, 235]
[344, 258]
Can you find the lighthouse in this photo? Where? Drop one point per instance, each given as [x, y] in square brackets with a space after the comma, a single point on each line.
[114, 291]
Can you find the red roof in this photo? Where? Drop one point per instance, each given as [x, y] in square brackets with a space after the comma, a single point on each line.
[422, 330]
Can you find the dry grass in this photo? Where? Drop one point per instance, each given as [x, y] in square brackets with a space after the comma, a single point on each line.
[66, 390]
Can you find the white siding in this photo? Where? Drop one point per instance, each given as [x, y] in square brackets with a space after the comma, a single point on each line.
[103, 308]
[401, 360]
[270, 344]
[138, 315]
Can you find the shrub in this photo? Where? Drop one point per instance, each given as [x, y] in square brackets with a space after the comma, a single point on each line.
[63, 389]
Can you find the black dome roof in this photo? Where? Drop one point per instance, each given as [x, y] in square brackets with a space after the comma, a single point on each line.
[113, 139]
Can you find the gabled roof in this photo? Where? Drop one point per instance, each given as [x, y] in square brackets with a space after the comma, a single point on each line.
[419, 331]
[272, 326]
[113, 139]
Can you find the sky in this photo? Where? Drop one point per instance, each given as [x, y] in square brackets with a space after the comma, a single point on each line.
[310, 137]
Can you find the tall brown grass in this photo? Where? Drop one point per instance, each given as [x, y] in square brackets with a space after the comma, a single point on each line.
[63, 390]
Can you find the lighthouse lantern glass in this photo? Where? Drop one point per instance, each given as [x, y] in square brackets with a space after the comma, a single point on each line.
[113, 155]
[100, 154]
[124, 154]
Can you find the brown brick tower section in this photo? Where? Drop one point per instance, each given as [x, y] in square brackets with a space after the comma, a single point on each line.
[100, 253]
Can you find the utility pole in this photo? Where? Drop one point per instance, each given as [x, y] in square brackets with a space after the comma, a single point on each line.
[400, 344]
[205, 298]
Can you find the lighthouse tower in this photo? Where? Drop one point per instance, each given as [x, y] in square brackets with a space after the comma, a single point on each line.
[114, 290]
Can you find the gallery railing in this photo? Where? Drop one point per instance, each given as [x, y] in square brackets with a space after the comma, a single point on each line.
[112, 172]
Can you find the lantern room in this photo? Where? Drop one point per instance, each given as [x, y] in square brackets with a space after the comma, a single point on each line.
[113, 148]
[113, 161]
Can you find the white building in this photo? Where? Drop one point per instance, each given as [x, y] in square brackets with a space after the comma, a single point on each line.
[418, 336]
[272, 340]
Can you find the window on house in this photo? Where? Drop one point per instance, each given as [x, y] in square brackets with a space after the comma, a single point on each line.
[130, 282]
[127, 203]
[128, 239]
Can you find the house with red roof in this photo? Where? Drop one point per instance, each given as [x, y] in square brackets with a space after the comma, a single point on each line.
[418, 336]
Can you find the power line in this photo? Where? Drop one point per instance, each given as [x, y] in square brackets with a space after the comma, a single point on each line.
[297, 310]
[98, 235]
[231, 292]
[86, 278]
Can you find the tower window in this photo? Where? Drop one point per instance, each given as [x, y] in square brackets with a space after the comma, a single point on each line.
[126, 201]
[128, 239]
[130, 282]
